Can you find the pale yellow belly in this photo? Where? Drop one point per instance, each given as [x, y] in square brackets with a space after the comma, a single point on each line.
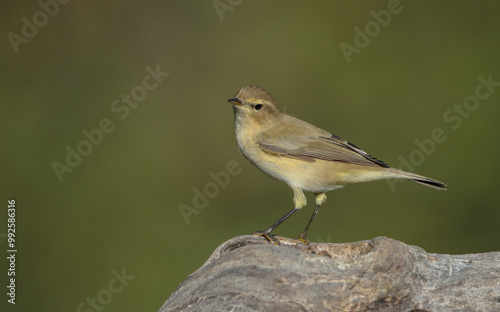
[317, 176]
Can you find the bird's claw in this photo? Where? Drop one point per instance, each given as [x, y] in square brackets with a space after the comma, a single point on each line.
[304, 239]
[269, 238]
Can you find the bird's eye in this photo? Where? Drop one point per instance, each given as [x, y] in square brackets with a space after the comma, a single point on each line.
[258, 107]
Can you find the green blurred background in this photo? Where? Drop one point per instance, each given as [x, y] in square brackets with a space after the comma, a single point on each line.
[119, 208]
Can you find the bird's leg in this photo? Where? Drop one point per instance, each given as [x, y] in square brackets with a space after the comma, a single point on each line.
[320, 200]
[266, 233]
[299, 201]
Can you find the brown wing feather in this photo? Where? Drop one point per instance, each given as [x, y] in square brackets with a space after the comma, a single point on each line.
[304, 141]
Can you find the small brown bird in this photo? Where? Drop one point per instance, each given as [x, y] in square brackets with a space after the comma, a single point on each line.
[303, 156]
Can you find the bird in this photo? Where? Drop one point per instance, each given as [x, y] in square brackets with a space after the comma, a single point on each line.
[302, 155]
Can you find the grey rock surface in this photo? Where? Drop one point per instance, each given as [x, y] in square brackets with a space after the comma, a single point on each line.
[247, 273]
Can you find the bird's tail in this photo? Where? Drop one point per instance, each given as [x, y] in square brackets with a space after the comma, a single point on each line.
[400, 174]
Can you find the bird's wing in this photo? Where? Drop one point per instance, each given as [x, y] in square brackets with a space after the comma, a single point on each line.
[310, 143]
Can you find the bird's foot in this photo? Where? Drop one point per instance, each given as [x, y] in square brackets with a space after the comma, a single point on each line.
[269, 238]
[304, 239]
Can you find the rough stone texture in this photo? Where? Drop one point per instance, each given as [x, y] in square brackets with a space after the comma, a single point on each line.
[247, 273]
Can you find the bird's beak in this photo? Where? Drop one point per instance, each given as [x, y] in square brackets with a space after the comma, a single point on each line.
[235, 101]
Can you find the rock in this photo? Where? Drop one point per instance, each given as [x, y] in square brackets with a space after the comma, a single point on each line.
[247, 273]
